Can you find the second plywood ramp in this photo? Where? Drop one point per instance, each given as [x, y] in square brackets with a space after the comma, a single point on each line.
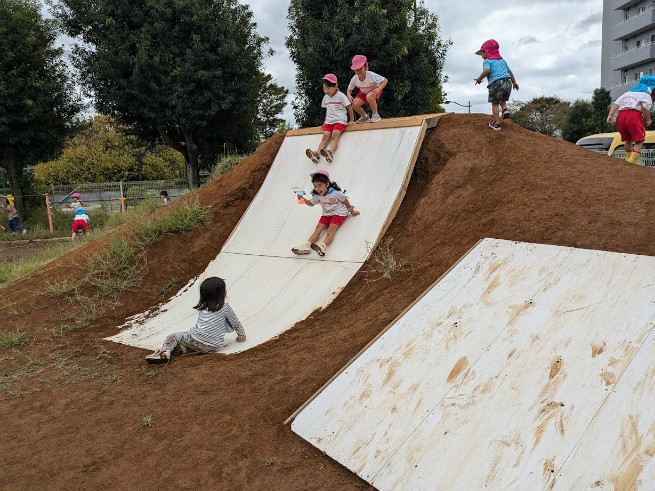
[525, 367]
[269, 287]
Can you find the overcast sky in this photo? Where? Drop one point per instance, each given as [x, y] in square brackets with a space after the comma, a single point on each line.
[552, 47]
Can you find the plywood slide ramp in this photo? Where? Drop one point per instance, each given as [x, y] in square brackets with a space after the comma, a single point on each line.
[525, 367]
[269, 287]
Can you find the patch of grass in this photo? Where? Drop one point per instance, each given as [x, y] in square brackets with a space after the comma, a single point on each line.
[385, 261]
[103, 353]
[63, 287]
[146, 421]
[12, 339]
[178, 220]
[270, 461]
[225, 165]
[110, 380]
[152, 372]
[113, 271]
[10, 272]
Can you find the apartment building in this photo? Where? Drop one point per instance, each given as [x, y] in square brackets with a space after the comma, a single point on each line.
[628, 46]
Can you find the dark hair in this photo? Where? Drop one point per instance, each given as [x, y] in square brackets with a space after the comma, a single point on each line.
[163, 193]
[212, 294]
[324, 179]
[327, 83]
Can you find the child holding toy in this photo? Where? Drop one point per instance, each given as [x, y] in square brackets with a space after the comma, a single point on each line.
[500, 81]
[370, 86]
[215, 319]
[335, 208]
[338, 116]
[12, 216]
[634, 115]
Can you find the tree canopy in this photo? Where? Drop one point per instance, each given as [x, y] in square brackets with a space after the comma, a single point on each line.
[542, 114]
[399, 37]
[186, 72]
[588, 117]
[38, 102]
[105, 152]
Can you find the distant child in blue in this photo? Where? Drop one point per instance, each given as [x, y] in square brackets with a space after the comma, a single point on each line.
[215, 319]
[500, 81]
[80, 222]
[335, 208]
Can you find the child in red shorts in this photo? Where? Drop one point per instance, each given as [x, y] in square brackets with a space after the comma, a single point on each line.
[370, 86]
[338, 116]
[335, 208]
[634, 115]
[81, 222]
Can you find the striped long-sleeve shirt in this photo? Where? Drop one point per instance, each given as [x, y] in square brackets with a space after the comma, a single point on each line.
[212, 326]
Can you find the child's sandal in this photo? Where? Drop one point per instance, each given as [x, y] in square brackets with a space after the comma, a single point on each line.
[312, 155]
[505, 114]
[327, 154]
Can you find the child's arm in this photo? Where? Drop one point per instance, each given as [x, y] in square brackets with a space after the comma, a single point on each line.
[351, 208]
[349, 95]
[646, 114]
[514, 84]
[484, 73]
[381, 86]
[613, 109]
[351, 115]
[236, 323]
[307, 202]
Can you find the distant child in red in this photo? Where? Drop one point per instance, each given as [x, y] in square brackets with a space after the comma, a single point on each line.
[338, 116]
[81, 222]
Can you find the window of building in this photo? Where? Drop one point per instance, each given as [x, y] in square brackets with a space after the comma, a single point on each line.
[652, 38]
[625, 79]
[638, 43]
[642, 9]
[650, 71]
[636, 77]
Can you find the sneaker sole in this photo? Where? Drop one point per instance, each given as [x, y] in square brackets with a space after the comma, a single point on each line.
[318, 250]
[300, 252]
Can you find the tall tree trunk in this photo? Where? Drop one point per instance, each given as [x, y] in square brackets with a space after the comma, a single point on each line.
[191, 159]
[15, 178]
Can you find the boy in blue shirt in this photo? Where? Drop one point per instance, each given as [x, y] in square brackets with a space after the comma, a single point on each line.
[500, 80]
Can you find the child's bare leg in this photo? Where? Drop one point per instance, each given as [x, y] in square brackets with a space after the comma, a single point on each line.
[372, 101]
[317, 233]
[636, 147]
[335, 140]
[357, 106]
[73, 236]
[324, 141]
[329, 237]
[503, 106]
[494, 110]
[628, 147]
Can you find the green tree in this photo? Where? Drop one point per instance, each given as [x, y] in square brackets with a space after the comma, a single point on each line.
[187, 72]
[578, 122]
[272, 100]
[38, 102]
[600, 106]
[399, 37]
[541, 114]
[105, 152]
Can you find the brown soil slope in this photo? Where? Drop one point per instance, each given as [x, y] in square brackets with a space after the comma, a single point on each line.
[217, 420]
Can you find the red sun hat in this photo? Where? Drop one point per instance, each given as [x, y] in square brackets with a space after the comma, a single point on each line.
[491, 47]
[321, 171]
[330, 77]
[358, 62]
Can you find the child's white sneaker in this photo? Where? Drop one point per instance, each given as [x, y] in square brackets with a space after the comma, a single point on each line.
[363, 119]
[319, 247]
[375, 118]
[304, 248]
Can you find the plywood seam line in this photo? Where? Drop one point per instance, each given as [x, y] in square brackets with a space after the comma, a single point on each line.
[609, 394]
[461, 375]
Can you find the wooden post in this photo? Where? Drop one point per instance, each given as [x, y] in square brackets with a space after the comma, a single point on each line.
[47, 205]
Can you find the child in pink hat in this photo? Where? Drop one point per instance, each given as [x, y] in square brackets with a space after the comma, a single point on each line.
[500, 80]
[335, 208]
[338, 116]
[370, 86]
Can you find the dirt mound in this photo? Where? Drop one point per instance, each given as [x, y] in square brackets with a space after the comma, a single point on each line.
[216, 421]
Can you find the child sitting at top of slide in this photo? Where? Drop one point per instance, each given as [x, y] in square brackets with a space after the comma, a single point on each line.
[338, 116]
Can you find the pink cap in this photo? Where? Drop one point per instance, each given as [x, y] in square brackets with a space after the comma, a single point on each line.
[491, 47]
[358, 62]
[330, 77]
[75, 195]
[321, 171]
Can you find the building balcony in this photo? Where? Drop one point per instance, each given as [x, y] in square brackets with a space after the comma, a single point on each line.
[624, 4]
[633, 57]
[634, 25]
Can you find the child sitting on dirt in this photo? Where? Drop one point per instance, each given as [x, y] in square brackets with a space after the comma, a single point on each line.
[335, 208]
[12, 215]
[80, 222]
[634, 115]
[215, 319]
[338, 116]
[370, 86]
[500, 80]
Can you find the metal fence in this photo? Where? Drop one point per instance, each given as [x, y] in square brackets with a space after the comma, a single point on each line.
[647, 157]
[108, 195]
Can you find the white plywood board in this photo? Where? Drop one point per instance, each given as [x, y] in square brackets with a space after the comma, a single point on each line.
[498, 373]
[269, 287]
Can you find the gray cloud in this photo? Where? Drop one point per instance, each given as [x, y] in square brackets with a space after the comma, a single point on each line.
[592, 20]
[528, 40]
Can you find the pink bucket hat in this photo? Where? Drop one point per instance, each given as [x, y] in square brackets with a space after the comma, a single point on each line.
[358, 62]
[320, 171]
[330, 77]
[491, 47]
